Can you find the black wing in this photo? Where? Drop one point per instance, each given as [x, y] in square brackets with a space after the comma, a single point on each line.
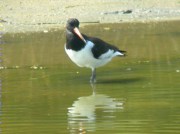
[101, 47]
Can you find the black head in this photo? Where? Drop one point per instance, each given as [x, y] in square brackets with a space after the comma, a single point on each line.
[72, 29]
[72, 23]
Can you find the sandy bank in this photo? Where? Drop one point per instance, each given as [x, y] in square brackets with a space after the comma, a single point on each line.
[42, 15]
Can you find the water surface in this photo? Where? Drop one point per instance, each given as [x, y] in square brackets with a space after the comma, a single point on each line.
[42, 91]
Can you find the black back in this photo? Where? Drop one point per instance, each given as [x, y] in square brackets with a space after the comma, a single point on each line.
[101, 47]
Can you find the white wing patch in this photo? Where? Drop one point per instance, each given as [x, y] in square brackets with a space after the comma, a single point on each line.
[110, 54]
[107, 55]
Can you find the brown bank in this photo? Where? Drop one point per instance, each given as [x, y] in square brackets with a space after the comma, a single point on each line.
[42, 15]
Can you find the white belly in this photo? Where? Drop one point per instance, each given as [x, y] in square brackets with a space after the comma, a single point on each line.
[85, 58]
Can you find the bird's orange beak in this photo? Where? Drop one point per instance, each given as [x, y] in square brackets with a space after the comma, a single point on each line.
[76, 30]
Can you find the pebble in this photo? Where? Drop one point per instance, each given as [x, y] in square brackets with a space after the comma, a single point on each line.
[107, 28]
[45, 31]
[129, 69]
[16, 67]
[177, 71]
[127, 11]
[2, 67]
[37, 67]
[34, 67]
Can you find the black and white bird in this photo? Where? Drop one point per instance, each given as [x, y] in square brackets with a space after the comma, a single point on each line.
[87, 51]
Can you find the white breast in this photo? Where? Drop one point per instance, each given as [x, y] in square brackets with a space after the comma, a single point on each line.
[85, 58]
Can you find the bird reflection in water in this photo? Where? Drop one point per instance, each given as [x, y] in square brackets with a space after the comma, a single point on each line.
[86, 111]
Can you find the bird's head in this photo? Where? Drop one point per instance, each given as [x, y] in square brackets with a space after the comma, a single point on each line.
[73, 26]
[72, 23]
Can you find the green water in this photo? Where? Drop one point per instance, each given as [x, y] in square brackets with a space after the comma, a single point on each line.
[43, 92]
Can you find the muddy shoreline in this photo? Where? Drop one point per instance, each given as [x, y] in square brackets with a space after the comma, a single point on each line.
[33, 15]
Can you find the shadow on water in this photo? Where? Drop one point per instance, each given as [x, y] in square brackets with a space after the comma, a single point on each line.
[87, 111]
[120, 81]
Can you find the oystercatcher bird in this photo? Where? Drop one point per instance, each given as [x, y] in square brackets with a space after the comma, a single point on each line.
[87, 51]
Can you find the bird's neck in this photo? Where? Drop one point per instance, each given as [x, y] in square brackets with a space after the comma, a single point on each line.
[73, 41]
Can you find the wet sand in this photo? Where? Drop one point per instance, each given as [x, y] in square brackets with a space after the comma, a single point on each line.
[43, 15]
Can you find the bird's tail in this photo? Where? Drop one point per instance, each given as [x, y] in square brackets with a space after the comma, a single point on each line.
[122, 53]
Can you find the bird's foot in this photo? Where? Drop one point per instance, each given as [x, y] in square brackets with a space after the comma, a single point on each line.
[92, 80]
[93, 77]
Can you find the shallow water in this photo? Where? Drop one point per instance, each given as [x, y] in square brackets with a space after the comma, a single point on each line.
[42, 91]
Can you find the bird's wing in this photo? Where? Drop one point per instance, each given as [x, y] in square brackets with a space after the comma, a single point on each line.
[101, 47]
